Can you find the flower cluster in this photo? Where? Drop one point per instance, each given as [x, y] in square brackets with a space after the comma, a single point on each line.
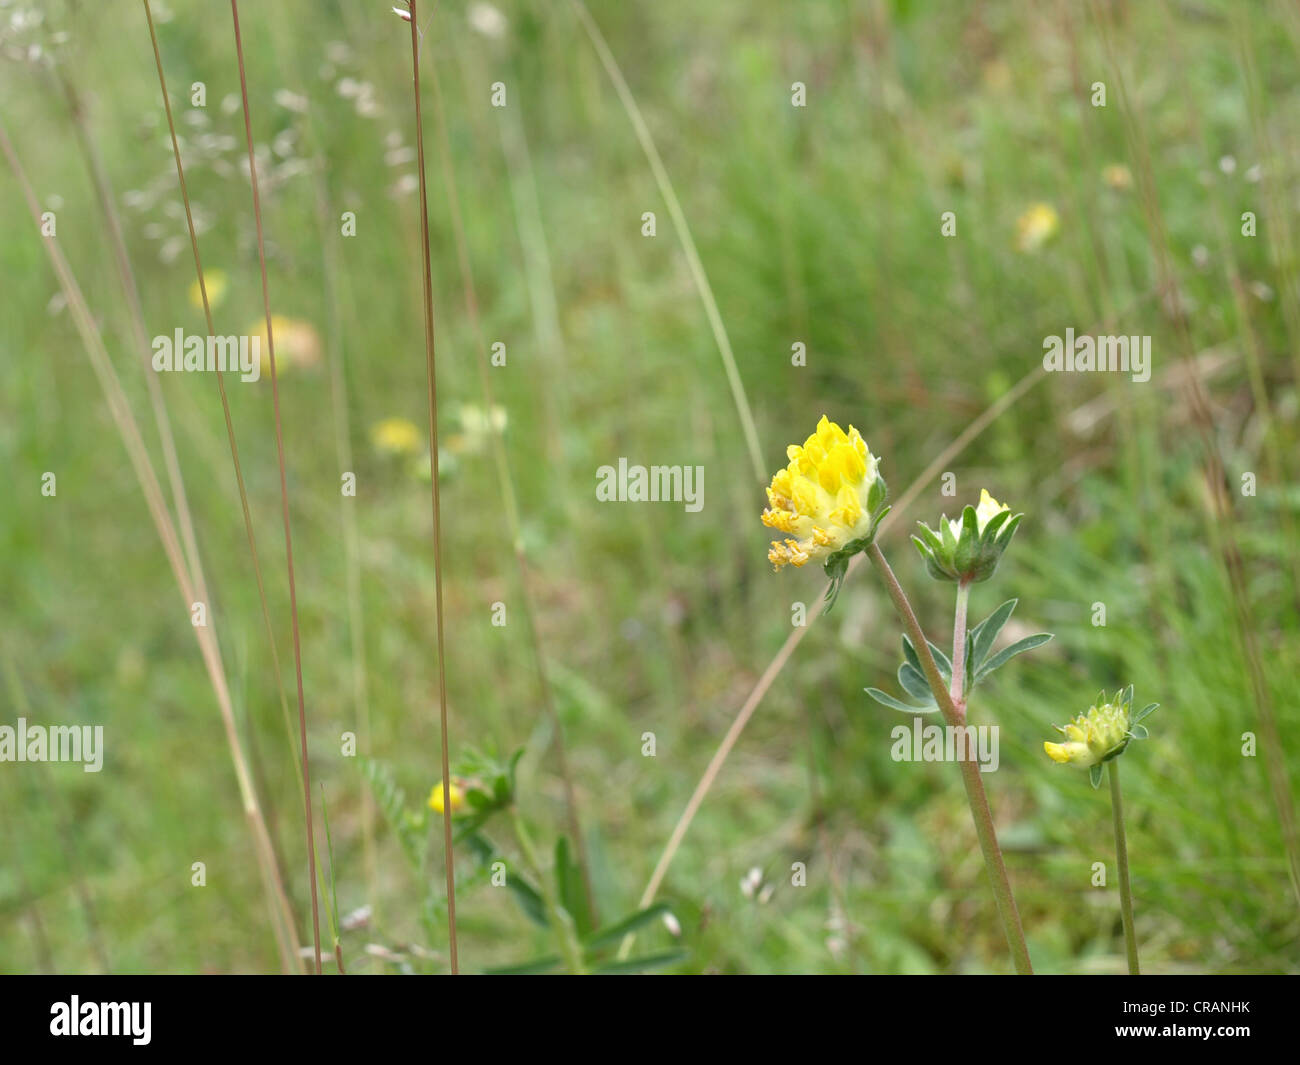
[1100, 734]
[826, 498]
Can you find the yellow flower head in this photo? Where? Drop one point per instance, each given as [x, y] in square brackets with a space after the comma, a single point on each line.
[988, 506]
[1117, 176]
[1036, 227]
[823, 499]
[396, 436]
[215, 282]
[1094, 737]
[297, 344]
[437, 797]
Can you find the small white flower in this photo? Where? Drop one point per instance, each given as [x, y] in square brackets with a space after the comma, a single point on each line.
[291, 101]
[487, 20]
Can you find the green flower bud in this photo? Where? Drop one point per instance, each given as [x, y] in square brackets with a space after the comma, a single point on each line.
[968, 549]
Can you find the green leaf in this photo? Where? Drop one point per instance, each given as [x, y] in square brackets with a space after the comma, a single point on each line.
[1138, 732]
[528, 968]
[914, 684]
[527, 897]
[909, 653]
[570, 887]
[616, 931]
[332, 899]
[643, 964]
[885, 699]
[985, 634]
[1146, 711]
[391, 800]
[1094, 775]
[1007, 653]
[940, 659]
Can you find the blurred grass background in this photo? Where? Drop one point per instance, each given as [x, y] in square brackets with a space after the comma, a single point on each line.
[818, 225]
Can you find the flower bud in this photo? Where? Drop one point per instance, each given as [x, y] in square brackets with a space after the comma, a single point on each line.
[968, 549]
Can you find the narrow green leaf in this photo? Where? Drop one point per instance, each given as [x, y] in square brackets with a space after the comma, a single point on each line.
[942, 661]
[1146, 711]
[909, 653]
[630, 923]
[1094, 775]
[912, 682]
[1138, 732]
[643, 964]
[528, 968]
[1007, 653]
[331, 900]
[391, 800]
[885, 699]
[985, 634]
[527, 897]
[570, 887]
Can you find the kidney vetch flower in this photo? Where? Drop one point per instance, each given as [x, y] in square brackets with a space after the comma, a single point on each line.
[828, 501]
[1101, 734]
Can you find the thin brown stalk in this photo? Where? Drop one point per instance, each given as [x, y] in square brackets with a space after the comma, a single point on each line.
[505, 479]
[284, 489]
[225, 403]
[142, 467]
[432, 375]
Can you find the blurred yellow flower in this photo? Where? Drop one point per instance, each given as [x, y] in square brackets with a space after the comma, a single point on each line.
[825, 498]
[997, 76]
[1036, 227]
[216, 283]
[438, 794]
[1117, 176]
[396, 436]
[297, 344]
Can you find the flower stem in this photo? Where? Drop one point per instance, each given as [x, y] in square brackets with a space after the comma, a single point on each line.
[561, 922]
[959, 648]
[1121, 856]
[970, 771]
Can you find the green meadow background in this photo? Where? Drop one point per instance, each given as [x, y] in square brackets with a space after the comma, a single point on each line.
[818, 225]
